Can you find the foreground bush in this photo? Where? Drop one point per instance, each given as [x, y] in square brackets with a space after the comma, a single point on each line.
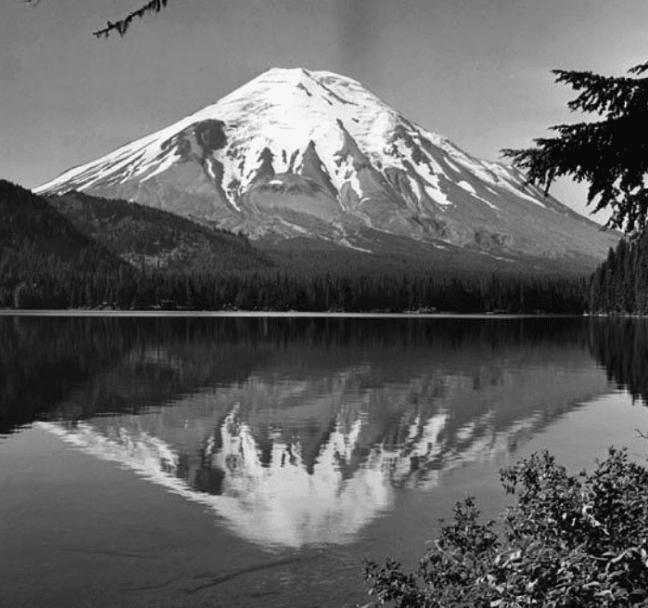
[567, 542]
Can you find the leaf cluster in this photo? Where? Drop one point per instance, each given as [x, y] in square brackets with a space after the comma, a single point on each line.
[610, 153]
[568, 541]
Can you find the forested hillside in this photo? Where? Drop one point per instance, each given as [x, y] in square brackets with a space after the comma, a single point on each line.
[152, 238]
[45, 262]
[620, 284]
[41, 250]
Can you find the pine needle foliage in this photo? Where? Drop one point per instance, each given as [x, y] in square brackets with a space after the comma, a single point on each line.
[121, 26]
[611, 154]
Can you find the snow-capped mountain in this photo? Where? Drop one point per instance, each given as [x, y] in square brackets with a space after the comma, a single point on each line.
[298, 153]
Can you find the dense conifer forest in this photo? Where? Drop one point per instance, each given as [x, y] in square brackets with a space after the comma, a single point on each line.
[620, 284]
[49, 261]
[36, 239]
[283, 292]
[152, 238]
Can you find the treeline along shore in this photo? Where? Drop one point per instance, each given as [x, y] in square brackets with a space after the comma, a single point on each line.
[79, 252]
[125, 289]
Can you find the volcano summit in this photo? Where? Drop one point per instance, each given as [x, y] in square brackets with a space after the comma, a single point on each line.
[304, 154]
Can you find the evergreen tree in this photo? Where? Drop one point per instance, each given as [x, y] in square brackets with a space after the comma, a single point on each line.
[620, 284]
[610, 154]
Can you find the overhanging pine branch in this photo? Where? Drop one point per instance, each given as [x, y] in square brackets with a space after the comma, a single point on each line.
[121, 26]
[610, 154]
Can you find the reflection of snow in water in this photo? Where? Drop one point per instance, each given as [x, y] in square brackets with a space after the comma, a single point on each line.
[277, 498]
[280, 504]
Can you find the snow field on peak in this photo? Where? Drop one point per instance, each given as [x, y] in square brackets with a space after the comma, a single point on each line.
[283, 111]
[471, 190]
[493, 173]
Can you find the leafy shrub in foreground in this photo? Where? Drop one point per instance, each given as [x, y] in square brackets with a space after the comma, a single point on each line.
[567, 542]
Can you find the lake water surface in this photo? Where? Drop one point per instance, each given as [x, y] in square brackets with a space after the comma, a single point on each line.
[257, 461]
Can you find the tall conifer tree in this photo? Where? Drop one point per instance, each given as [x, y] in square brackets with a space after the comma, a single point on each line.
[611, 153]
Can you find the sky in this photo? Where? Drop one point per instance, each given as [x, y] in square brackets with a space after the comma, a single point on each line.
[475, 71]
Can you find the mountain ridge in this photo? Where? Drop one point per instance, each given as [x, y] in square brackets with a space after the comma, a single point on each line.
[146, 237]
[299, 153]
[35, 236]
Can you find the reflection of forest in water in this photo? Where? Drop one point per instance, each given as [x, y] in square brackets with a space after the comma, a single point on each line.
[152, 360]
[135, 363]
[304, 420]
[621, 346]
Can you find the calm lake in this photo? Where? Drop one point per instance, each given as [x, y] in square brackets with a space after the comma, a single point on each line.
[205, 462]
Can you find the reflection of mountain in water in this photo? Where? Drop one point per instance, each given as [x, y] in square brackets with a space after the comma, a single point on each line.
[300, 431]
[621, 346]
[277, 502]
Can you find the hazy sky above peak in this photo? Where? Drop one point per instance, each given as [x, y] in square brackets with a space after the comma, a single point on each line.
[476, 71]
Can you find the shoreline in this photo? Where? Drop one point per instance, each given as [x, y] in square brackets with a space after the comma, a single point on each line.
[272, 314]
